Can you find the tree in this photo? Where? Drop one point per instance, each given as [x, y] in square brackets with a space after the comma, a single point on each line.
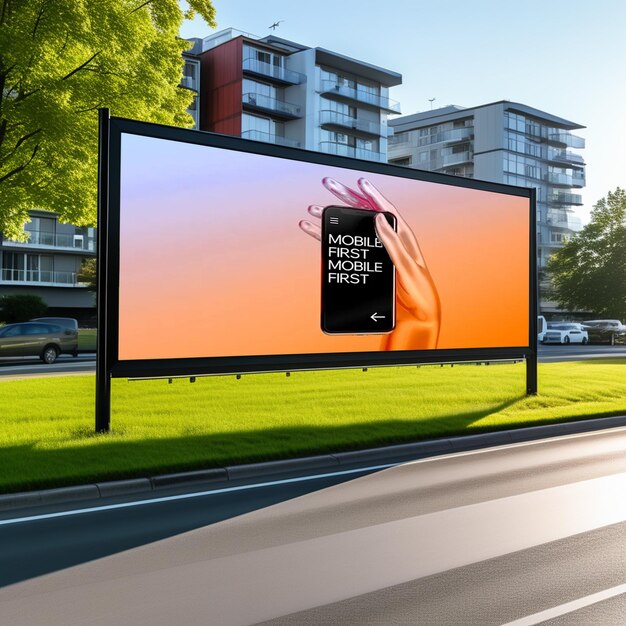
[60, 61]
[21, 307]
[589, 272]
[89, 274]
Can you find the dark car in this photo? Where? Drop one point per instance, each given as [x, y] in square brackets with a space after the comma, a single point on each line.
[46, 341]
[67, 323]
[606, 331]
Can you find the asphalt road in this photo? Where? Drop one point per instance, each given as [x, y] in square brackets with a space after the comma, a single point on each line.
[520, 534]
[65, 364]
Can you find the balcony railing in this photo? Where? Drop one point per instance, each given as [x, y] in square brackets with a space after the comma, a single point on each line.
[333, 118]
[565, 156]
[570, 222]
[281, 74]
[47, 277]
[280, 107]
[567, 180]
[565, 198]
[53, 240]
[342, 149]
[258, 135]
[456, 158]
[567, 139]
[360, 95]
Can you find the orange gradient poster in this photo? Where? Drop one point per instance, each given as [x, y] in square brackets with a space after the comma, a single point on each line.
[221, 254]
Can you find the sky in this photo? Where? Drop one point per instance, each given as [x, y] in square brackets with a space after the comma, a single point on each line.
[566, 58]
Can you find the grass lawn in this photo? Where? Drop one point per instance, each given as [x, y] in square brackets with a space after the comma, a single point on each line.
[87, 339]
[46, 424]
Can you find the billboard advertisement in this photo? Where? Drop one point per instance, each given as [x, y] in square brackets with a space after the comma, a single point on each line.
[241, 256]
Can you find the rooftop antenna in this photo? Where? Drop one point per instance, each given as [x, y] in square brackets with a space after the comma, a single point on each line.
[275, 25]
[431, 100]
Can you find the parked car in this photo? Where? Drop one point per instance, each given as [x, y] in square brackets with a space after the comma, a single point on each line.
[566, 333]
[67, 323]
[542, 326]
[46, 341]
[606, 331]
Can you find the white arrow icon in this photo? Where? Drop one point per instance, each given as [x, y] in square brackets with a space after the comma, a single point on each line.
[377, 317]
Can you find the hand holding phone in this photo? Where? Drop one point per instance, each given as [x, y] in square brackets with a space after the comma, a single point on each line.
[418, 309]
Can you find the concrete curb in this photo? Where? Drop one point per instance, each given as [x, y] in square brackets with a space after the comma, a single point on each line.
[323, 462]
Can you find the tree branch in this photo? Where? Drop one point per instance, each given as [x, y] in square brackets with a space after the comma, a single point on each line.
[39, 16]
[16, 147]
[141, 6]
[80, 67]
[20, 168]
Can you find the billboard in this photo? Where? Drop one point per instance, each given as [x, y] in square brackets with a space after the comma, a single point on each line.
[227, 255]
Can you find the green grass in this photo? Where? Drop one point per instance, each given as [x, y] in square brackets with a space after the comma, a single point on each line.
[87, 339]
[46, 424]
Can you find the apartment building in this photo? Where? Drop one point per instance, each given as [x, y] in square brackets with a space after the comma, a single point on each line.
[278, 91]
[504, 142]
[49, 263]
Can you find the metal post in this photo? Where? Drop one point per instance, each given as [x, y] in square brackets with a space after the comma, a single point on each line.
[531, 374]
[531, 359]
[103, 371]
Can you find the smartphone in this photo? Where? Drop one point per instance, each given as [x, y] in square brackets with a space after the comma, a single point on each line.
[358, 277]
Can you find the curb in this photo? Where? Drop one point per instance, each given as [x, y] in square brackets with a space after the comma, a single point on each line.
[328, 462]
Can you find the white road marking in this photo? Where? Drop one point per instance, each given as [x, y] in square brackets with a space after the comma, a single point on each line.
[197, 494]
[568, 607]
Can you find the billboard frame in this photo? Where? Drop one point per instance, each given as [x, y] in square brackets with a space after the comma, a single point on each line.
[110, 366]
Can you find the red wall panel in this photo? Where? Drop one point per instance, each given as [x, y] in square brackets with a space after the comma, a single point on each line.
[220, 88]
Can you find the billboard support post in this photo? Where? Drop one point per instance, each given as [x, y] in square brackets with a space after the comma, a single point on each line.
[103, 369]
[531, 359]
[531, 374]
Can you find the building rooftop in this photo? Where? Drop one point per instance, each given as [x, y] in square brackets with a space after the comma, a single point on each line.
[385, 77]
[406, 122]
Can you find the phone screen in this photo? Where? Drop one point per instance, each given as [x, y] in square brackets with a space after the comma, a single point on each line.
[358, 277]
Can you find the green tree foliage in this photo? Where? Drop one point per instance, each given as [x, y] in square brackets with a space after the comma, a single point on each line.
[60, 60]
[589, 272]
[88, 274]
[21, 308]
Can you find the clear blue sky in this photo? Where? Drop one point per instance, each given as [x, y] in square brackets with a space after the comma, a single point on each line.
[568, 58]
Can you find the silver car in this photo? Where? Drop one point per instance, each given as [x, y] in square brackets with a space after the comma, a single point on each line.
[46, 341]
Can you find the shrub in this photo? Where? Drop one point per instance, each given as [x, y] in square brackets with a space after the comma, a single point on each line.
[21, 307]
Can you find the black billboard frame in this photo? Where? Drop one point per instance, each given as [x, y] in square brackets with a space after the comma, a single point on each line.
[108, 364]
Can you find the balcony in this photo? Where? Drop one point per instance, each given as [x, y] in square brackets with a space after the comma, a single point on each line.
[567, 222]
[566, 139]
[456, 158]
[274, 72]
[565, 156]
[278, 108]
[42, 239]
[330, 87]
[258, 135]
[552, 244]
[565, 180]
[565, 198]
[342, 149]
[457, 134]
[41, 278]
[332, 118]
[452, 135]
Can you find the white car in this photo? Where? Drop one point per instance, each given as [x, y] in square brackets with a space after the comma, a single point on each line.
[565, 333]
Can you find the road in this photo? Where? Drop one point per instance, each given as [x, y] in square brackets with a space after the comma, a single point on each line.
[86, 362]
[518, 535]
